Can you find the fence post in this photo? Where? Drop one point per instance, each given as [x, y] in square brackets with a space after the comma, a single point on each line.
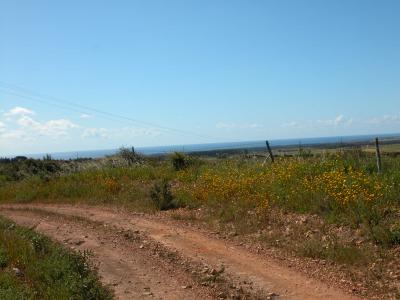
[269, 151]
[378, 155]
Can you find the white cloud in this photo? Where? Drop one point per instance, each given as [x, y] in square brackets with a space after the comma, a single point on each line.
[18, 111]
[340, 120]
[28, 122]
[291, 124]
[124, 132]
[96, 133]
[56, 128]
[85, 116]
[387, 119]
[22, 126]
[255, 125]
[223, 125]
[51, 128]
[60, 124]
[16, 134]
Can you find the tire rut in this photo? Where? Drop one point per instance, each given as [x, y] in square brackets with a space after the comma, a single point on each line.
[128, 269]
[245, 270]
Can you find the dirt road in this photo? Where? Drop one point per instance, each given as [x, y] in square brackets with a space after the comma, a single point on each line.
[145, 256]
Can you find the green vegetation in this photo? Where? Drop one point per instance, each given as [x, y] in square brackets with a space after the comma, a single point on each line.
[162, 196]
[347, 254]
[179, 161]
[341, 188]
[32, 267]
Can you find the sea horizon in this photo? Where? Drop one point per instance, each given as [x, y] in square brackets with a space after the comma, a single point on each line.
[188, 148]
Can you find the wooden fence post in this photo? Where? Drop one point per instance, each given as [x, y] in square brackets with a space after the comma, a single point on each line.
[378, 155]
[269, 151]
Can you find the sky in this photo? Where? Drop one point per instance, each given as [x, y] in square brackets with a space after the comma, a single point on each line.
[85, 75]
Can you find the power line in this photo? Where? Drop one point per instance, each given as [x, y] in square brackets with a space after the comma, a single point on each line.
[25, 97]
[69, 105]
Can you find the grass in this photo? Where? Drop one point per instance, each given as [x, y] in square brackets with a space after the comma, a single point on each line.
[343, 254]
[119, 186]
[32, 267]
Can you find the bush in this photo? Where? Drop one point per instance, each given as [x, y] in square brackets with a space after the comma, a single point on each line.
[21, 168]
[312, 248]
[395, 236]
[386, 236]
[3, 258]
[161, 196]
[179, 161]
[129, 155]
[337, 252]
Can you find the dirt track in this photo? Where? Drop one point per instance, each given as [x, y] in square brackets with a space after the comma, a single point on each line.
[143, 256]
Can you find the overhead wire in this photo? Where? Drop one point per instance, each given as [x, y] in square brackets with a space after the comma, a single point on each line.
[69, 105]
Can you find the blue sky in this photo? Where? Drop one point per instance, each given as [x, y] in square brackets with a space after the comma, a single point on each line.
[217, 70]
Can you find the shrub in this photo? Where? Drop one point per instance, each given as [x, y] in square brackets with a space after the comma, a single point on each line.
[161, 195]
[179, 161]
[395, 236]
[20, 168]
[335, 251]
[3, 258]
[384, 235]
[129, 155]
[312, 248]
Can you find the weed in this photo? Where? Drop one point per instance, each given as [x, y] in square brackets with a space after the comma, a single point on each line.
[161, 195]
[179, 161]
[334, 251]
[47, 271]
[130, 156]
[312, 248]
[3, 258]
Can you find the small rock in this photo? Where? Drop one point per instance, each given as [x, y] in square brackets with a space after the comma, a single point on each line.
[17, 272]
[272, 296]
[232, 234]
[141, 246]
[186, 287]
[76, 242]
[222, 295]
[303, 219]
[287, 231]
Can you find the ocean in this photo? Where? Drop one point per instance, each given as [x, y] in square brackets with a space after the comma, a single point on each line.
[217, 146]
